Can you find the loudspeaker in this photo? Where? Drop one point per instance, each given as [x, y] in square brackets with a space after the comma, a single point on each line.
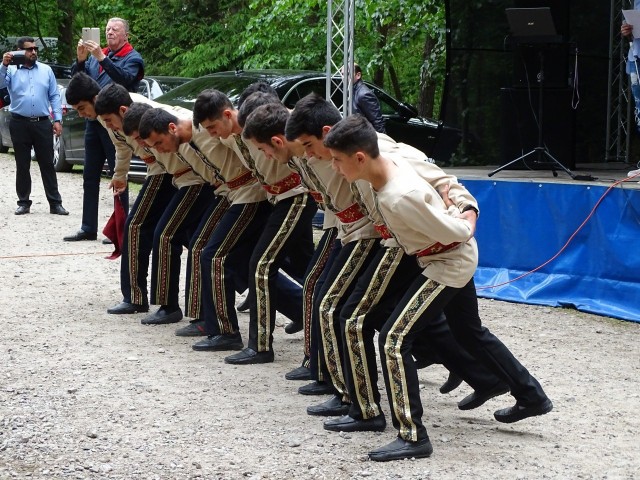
[519, 132]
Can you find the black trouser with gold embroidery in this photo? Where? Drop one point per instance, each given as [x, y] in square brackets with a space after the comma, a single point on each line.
[350, 264]
[155, 194]
[418, 318]
[225, 264]
[172, 234]
[376, 295]
[287, 235]
[311, 277]
[208, 223]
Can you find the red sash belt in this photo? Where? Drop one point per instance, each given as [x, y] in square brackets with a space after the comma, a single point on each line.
[284, 185]
[241, 180]
[181, 172]
[351, 214]
[149, 160]
[317, 196]
[383, 231]
[436, 248]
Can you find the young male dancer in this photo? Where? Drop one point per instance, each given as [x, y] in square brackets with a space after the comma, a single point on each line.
[418, 219]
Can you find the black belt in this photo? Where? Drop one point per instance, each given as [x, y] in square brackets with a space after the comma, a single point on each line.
[29, 119]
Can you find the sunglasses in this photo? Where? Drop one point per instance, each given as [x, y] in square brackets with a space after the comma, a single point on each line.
[30, 49]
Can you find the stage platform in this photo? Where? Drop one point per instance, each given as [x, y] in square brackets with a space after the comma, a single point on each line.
[583, 258]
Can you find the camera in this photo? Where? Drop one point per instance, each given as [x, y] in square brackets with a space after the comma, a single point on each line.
[18, 57]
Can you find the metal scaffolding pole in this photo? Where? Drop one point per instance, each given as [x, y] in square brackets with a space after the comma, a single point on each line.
[620, 115]
[340, 45]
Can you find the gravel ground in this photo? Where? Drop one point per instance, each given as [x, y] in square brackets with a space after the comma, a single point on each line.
[87, 395]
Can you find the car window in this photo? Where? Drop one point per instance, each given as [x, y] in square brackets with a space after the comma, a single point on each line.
[303, 89]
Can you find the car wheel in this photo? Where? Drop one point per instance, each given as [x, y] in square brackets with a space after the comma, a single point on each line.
[59, 155]
[3, 148]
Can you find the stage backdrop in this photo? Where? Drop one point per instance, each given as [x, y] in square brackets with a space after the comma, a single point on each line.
[483, 59]
[523, 224]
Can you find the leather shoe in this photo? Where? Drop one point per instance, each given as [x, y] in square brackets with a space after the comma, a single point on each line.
[80, 235]
[476, 399]
[107, 241]
[317, 388]
[22, 210]
[331, 408]
[400, 448]
[293, 327]
[249, 356]
[219, 343]
[194, 329]
[164, 315]
[519, 412]
[58, 210]
[451, 384]
[125, 308]
[350, 424]
[300, 373]
[244, 305]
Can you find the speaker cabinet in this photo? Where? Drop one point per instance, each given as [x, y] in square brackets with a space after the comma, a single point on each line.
[519, 132]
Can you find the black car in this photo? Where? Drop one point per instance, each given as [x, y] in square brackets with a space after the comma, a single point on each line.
[68, 150]
[402, 121]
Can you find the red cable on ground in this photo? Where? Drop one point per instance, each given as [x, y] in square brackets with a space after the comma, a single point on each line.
[593, 210]
[53, 255]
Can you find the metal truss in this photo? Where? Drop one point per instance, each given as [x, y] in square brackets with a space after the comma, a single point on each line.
[620, 108]
[340, 33]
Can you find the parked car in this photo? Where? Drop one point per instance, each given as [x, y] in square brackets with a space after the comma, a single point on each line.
[402, 121]
[68, 149]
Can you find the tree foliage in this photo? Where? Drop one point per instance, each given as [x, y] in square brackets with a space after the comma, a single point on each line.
[398, 43]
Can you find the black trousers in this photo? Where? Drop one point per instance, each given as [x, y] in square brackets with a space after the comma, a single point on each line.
[418, 318]
[311, 276]
[287, 234]
[377, 293]
[172, 233]
[350, 264]
[155, 194]
[39, 135]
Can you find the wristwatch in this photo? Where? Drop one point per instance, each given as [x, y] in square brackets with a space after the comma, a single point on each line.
[470, 207]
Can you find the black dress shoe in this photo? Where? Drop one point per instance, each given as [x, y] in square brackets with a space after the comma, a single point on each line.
[475, 399]
[125, 308]
[400, 448]
[519, 412]
[317, 388]
[293, 327]
[300, 373]
[219, 343]
[249, 356]
[331, 408]
[350, 424]
[194, 329]
[80, 235]
[107, 241]
[22, 210]
[58, 210]
[244, 305]
[451, 384]
[164, 315]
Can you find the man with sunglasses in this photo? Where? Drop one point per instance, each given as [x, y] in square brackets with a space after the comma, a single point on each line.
[33, 88]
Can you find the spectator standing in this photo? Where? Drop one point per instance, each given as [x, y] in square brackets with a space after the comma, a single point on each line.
[118, 63]
[365, 101]
[33, 88]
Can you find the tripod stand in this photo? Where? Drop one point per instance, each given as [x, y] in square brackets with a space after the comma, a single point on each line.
[540, 152]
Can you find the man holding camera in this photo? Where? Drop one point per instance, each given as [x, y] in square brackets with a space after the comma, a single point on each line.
[32, 88]
[119, 63]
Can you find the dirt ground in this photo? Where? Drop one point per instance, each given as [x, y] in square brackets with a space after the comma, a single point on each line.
[87, 395]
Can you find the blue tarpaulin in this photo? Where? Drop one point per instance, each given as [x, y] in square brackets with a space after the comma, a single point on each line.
[524, 224]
